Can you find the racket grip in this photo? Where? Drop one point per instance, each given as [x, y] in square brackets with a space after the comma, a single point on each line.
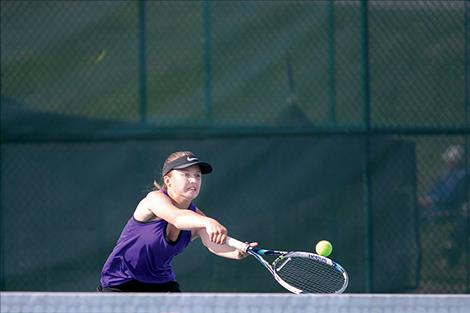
[237, 244]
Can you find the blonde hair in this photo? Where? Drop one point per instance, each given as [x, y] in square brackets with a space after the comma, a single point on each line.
[171, 157]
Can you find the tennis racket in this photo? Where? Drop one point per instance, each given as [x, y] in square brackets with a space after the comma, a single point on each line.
[299, 272]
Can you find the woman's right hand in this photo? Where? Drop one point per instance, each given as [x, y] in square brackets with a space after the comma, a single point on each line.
[216, 231]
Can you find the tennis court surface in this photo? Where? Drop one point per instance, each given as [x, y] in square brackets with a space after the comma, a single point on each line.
[39, 302]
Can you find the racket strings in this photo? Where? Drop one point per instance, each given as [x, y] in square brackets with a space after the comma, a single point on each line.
[310, 275]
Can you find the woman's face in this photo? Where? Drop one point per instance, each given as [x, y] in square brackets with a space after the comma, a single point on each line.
[185, 182]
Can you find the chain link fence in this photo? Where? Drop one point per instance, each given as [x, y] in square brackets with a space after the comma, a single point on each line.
[88, 89]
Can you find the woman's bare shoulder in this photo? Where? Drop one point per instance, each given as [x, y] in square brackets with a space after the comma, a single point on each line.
[143, 211]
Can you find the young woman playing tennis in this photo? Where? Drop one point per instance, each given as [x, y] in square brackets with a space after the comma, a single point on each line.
[162, 225]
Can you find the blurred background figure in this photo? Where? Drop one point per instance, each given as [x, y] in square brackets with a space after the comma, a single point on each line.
[446, 200]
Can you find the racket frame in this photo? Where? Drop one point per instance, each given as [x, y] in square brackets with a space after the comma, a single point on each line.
[282, 255]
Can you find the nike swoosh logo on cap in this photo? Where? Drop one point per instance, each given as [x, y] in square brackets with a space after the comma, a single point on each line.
[191, 159]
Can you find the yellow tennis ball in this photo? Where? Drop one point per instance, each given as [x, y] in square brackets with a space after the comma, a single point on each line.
[324, 248]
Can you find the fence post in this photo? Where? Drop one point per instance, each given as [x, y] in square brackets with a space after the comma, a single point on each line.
[368, 264]
[466, 138]
[207, 66]
[331, 63]
[142, 63]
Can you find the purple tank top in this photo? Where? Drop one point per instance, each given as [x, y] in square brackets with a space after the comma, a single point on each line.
[143, 253]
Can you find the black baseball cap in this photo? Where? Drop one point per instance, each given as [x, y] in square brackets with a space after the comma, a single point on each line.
[185, 161]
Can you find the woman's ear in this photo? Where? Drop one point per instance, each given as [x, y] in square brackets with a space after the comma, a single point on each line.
[166, 180]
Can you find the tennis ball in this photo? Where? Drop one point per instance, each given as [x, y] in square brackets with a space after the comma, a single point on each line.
[324, 248]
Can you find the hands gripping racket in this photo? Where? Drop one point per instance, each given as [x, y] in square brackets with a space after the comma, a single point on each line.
[299, 272]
